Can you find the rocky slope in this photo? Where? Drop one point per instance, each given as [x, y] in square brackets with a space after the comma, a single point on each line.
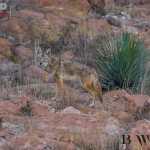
[30, 116]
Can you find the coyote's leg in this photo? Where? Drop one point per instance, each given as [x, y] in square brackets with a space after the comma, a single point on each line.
[93, 101]
[92, 104]
[59, 88]
[57, 93]
[86, 87]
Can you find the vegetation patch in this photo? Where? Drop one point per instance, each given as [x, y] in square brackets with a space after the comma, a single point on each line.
[27, 109]
[121, 62]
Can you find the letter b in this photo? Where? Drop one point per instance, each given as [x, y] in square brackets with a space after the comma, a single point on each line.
[126, 139]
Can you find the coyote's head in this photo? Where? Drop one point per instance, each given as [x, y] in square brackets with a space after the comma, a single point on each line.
[53, 64]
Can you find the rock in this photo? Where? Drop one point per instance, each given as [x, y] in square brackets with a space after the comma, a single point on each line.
[5, 47]
[130, 29]
[124, 117]
[35, 72]
[140, 1]
[140, 128]
[113, 20]
[70, 110]
[47, 129]
[23, 53]
[118, 20]
[113, 127]
[8, 108]
[139, 105]
[46, 28]
[114, 101]
[69, 8]
[87, 31]
[122, 2]
[30, 14]
[10, 73]
[138, 100]
[93, 27]
[16, 28]
[127, 2]
[14, 129]
[97, 6]
[132, 106]
[8, 68]
[39, 109]
[142, 24]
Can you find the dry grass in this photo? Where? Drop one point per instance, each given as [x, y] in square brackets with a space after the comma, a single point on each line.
[114, 144]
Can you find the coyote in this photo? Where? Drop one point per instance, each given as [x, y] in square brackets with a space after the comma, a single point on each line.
[69, 71]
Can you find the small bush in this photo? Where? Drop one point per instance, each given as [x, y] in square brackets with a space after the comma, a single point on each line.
[27, 109]
[121, 62]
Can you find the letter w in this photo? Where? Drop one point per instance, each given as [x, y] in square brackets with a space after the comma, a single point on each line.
[143, 139]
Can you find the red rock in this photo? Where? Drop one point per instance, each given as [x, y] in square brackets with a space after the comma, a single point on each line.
[36, 73]
[139, 100]
[39, 110]
[16, 28]
[23, 53]
[21, 101]
[8, 108]
[141, 128]
[30, 13]
[129, 106]
[51, 28]
[5, 47]
[70, 110]
[44, 2]
[123, 117]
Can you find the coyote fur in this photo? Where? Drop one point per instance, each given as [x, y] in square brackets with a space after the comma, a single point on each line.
[68, 71]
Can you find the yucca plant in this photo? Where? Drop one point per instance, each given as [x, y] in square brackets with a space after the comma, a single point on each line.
[121, 62]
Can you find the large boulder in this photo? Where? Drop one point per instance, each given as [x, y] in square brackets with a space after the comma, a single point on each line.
[15, 28]
[130, 107]
[139, 105]
[35, 72]
[22, 53]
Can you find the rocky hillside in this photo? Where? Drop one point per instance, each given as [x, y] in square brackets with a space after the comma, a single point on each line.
[32, 115]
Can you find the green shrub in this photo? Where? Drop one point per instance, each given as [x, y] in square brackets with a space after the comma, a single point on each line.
[121, 62]
[27, 109]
